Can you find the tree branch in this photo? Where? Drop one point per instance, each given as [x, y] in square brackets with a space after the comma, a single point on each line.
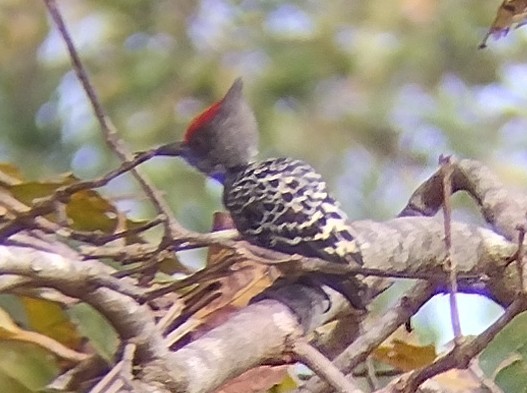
[501, 207]
[323, 367]
[89, 281]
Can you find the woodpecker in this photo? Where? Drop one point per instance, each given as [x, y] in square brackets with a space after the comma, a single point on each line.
[278, 203]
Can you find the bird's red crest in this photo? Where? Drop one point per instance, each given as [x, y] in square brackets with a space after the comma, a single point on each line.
[203, 118]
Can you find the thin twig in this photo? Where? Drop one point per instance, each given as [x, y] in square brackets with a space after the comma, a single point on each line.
[96, 237]
[111, 382]
[519, 258]
[450, 265]
[375, 332]
[173, 228]
[25, 216]
[146, 264]
[371, 374]
[185, 328]
[214, 271]
[126, 254]
[323, 367]
[128, 362]
[172, 313]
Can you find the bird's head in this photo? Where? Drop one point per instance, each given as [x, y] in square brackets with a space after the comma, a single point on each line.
[223, 136]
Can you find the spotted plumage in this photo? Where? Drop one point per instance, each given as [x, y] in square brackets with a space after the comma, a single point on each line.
[283, 204]
[280, 203]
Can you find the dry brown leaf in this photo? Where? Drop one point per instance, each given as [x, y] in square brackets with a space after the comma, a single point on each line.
[256, 380]
[244, 280]
[509, 12]
[231, 286]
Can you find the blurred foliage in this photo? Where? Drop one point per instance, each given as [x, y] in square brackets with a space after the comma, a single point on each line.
[505, 359]
[370, 92]
[24, 368]
[94, 327]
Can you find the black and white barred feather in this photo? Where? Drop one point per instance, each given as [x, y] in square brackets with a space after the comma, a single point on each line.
[283, 204]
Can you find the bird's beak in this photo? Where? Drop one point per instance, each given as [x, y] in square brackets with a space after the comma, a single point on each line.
[174, 149]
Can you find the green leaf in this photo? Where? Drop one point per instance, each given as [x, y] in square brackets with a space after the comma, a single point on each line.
[96, 328]
[506, 344]
[513, 378]
[25, 367]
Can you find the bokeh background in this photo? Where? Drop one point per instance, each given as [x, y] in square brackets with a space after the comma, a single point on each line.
[369, 92]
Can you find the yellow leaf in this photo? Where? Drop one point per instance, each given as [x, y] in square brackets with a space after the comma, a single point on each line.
[49, 318]
[288, 384]
[404, 356]
[29, 191]
[86, 210]
[459, 381]
[9, 174]
[171, 265]
[89, 212]
[273, 379]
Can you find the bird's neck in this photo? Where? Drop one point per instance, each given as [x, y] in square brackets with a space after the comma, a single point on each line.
[237, 169]
[226, 174]
[233, 172]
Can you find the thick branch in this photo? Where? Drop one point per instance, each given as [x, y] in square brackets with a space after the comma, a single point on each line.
[258, 332]
[410, 243]
[502, 208]
[86, 281]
